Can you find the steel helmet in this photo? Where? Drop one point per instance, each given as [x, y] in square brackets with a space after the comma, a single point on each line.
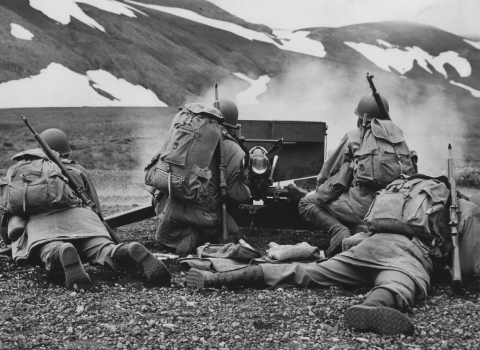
[229, 111]
[368, 105]
[57, 140]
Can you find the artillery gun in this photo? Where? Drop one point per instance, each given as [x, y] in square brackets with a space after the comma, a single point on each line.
[283, 159]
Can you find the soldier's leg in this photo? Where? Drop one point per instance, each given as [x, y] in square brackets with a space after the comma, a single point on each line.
[325, 274]
[59, 255]
[102, 251]
[379, 313]
[313, 212]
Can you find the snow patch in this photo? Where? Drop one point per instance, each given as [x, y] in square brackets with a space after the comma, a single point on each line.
[384, 43]
[62, 10]
[475, 44]
[249, 96]
[402, 59]
[19, 32]
[473, 91]
[193, 16]
[291, 41]
[298, 42]
[58, 86]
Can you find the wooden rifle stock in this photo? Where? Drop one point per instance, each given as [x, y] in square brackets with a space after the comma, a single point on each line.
[377, 97]
[453, 223]
[72, 182]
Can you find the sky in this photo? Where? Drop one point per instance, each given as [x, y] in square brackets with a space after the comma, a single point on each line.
[459, 17]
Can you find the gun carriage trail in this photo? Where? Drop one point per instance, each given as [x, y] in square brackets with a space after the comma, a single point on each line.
[251, 174]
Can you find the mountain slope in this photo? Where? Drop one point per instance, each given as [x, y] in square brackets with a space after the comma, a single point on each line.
[167, 52]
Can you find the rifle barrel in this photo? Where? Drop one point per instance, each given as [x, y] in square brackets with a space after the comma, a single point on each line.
[377, 97]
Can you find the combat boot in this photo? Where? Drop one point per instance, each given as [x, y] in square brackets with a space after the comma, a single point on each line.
[135, 254]
[335, 230]
[247, 277]
[72, 265]
[376, 315]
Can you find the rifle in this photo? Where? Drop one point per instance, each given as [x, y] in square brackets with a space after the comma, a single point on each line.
[223, 180]
[377, 97]
[72, 182]
[364, 127]
[456, 267]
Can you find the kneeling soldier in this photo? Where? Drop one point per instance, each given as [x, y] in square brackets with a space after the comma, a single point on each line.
[63, 238]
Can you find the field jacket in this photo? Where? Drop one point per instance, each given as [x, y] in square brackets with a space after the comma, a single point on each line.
[75, 222]
[182, 221]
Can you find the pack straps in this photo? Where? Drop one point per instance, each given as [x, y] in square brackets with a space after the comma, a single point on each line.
[169, 181]
[25, 189]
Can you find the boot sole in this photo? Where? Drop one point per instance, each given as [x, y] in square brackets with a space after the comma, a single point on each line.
[380, 320]
[74, 271]
[155, 270]
[195, 279]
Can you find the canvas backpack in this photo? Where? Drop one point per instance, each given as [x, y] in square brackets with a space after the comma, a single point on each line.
[181, 168]
[382, 156]
[411, 205]
[35, 184]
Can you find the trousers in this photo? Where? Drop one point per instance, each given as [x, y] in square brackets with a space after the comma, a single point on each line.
[349, 209]
[98, 250]
[338, 273]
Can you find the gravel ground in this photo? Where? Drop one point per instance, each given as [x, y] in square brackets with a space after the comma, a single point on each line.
[121, 311]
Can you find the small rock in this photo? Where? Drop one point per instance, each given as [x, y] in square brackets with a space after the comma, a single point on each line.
[362, 340]
[72, 294]
[235, 324]
[119, 345]
[80, 309]
[70, 330]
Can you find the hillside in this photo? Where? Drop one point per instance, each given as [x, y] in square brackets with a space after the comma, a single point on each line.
[164, 53]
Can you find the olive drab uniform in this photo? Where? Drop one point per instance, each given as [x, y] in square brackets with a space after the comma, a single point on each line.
[341, 216]
[61, 232]
[49, 229]
[184, 223]
[397, 266]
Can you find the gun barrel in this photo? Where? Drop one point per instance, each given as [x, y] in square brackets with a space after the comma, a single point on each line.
[217, 104]
[377, 97]
[370, 82]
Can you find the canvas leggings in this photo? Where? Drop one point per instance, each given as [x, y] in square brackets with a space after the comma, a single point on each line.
[344, 212]
[98, 250]
[339, 218]
[338, 273]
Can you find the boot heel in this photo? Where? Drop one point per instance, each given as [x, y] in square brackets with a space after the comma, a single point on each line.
[196, 279]
[154, 269]
[74, 271]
